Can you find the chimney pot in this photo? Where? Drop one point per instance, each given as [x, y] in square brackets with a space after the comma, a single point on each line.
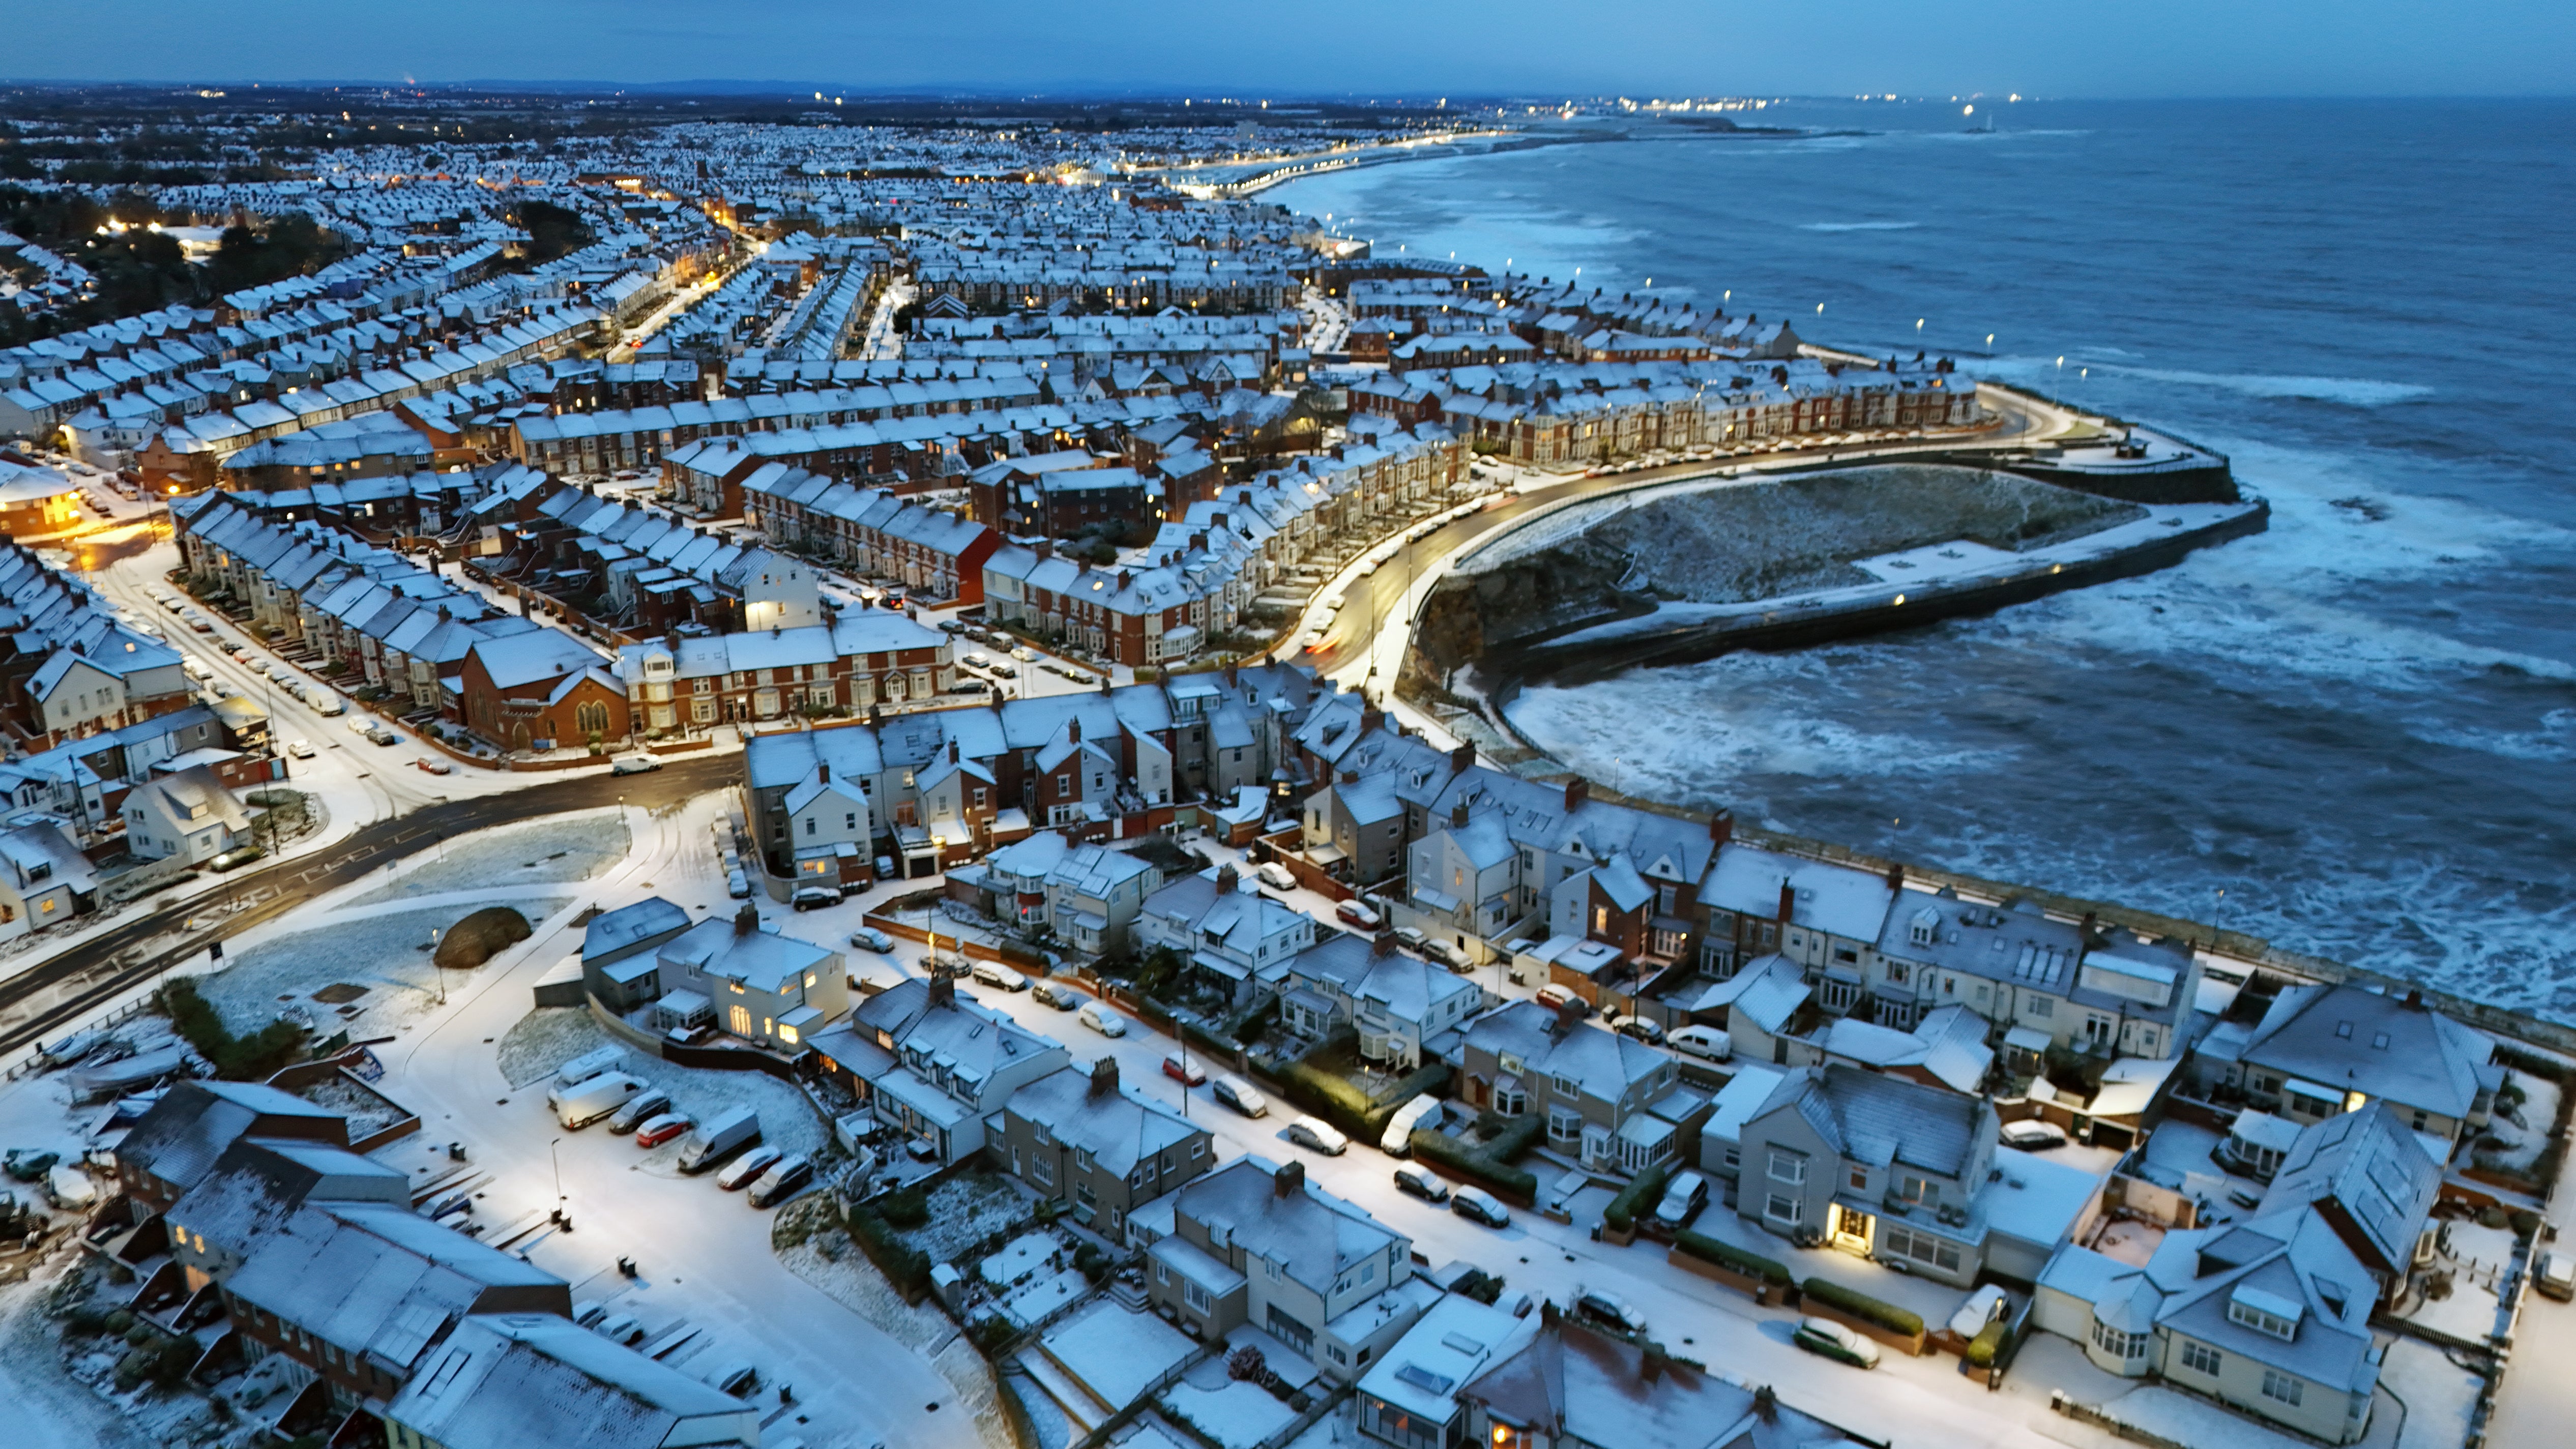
[1104, 1077]
[1788, 902]
[1073, 730]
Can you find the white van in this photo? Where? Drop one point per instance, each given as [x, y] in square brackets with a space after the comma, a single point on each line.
[324, 701]
[1397, 1140]
[588, 1065]
[578, 1106]
[1706, 1042]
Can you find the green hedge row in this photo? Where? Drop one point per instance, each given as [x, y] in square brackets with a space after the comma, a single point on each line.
[1861, 1305]
[237, 1058]
[907, 1267]
[1492, 1167]
[1640, 1195]
[1727, 1255]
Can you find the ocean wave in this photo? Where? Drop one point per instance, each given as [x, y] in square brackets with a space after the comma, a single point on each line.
[2359, 392]
[1859, 225]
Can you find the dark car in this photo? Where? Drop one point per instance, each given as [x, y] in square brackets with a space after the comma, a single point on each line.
[815, 898]
[1062, 998]
[235, 858]
[782, 1181]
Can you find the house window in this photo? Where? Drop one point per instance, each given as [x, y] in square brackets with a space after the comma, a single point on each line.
[1784, 1208]
[2200, 1358]
[1567, 1086]
[2249, 1316]
[1897, 972]
[1564, 1125]
[1921, 1247]
[2118, 1344]
[1198, 1297]
[1920, 1190]
[2042, 1005]
[1860, 1179]
[1511, 1101]
[2282, 1388]
[1788, 1167]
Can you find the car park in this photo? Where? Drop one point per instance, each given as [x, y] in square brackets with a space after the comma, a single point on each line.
[815, 898]
[1360, 915]
[870, 938]
[643, 1106]
[1684, 1197]
[1320, 1135]
[1828, 1339]
[1188, 1074]
[634, 765]
[657, 1130]
[782, 1181]
[1101, 1019]
[1241, 1095]
[1609, 1310]
[1478, 1205]
[1705, 1042]
[2031, 1134]
[748, 1166]
[1421, 1182]
[995, 974]
[1062, 998]
[1276, 876]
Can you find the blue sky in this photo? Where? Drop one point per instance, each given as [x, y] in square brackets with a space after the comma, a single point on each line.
[1670, 47]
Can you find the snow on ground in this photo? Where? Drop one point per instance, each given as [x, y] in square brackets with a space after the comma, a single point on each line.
[967, 1209]
[1234, 1413]
[550, 849]
[1015, 1261]
[549, 1036]
[47, 1408]
[852, 1281]
[388, 954]
[1143, 1435]
[1116, 1353]
[1339, 1429]
[2523, 1144]
[2438, 1394]
[1043, 1295]
[2187, 1419]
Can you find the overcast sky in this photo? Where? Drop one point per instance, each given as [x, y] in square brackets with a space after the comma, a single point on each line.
[1337, 47]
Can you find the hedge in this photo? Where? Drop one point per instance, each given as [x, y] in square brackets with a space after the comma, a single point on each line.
[1989, 1341]
[1727, 1255]
[237, 1058]
[1491, 1168]
[1645, 1188]
[1861, 1305]
[907, 1267]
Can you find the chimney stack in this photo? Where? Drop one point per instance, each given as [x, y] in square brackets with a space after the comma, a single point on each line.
[1788, 901]
[1721, 828]
[943, 988]
[1458, 816]
[1371, 717]
[1896, 882]
[1577, 790]
[2084, 935]
[1382, 944]
[1567, 1015]
[1227, 882]
[822, 774]
[1073, 729]
[1462, 758]
[746, 920]
[1104, 1077]
[1290, 1177]
[952, 752]
[1232, 676]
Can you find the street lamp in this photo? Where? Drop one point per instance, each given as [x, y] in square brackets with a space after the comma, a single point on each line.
[553, 1151]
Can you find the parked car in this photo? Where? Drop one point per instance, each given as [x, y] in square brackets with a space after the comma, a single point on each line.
[1188, 1074]
[578, 1106]
[1684, 1196]
[635, 765]
[719, 1135]
[870, 938]
[815, 898]
[1276, 876]
[737, 1378]
[435, 766]
[1412, 936]
[590, 1313]
[324, 702]
[2033, 1135]
[1609, 1310]
[625, 1328]
[1478, 1205]
[1098, 1016]
[661, 1129]
[589, 1064]
[1024, 655]
[195, 667]
[1643, 1030]
[737, 884]
[995, 974]
[300, 749]
[1705, 1042]
[976, 661]
[1555, 997]
[1397, 1140]
[748, 1166]
[1359, 914]
[235, 858]
[1828, 1339]
[2555, 1276]
[379, 735]
[1449, 956]
[1062, 998]
[1241, 1095]
[649, 1103]
[1320, 1135]
[1422, 1182]
[782, 1180]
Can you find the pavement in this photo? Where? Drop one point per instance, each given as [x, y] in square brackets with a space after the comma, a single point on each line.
[2536, 1403]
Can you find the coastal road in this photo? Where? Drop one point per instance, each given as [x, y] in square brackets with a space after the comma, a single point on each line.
[99, 969]
[1373, 602]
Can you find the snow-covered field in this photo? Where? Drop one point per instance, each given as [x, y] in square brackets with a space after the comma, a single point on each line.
[386, 953]
[556, 848]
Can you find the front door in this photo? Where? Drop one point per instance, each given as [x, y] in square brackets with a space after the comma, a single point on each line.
[1851, 1230]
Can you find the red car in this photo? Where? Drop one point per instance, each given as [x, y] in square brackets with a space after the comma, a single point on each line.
[661, 1129]
[1185, 1073]
[1359, 914]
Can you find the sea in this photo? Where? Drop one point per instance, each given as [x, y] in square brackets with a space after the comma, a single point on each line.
[2354, 735]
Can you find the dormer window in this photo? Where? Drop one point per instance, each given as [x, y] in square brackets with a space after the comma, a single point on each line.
[1925, 928]
[2263, 1312]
